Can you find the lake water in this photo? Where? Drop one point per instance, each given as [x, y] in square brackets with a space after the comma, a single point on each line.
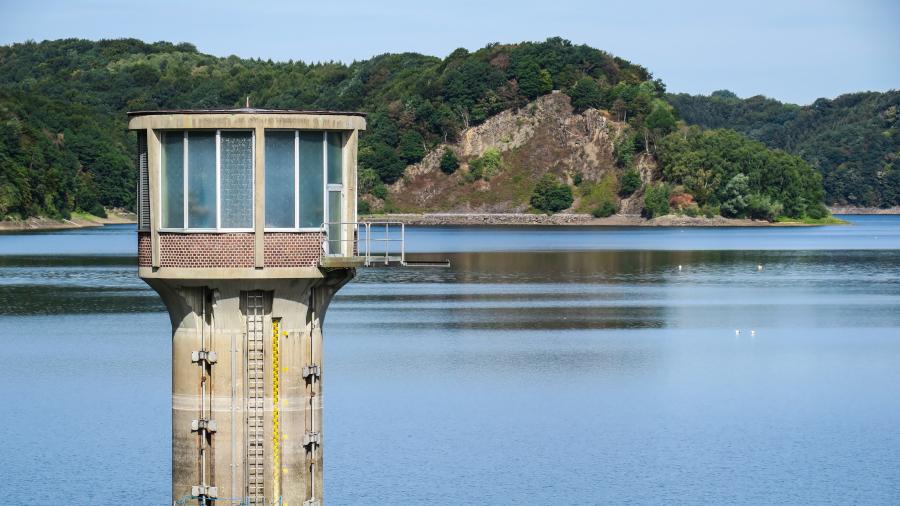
[546, 366]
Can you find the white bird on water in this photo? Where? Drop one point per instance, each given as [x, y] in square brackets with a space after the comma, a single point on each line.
[753, 333]
[759, 267]
[737, 332]
[679, 267]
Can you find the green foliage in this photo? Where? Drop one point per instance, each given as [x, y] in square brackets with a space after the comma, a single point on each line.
[486, 166]
[600, 195]
[656, 200]
[735, 196]
[623, 150]
[363, 207]
[412, 147]
[577, 178]
[631, 181]
[449, 162]
[605, 209]
[383, 160]
[702, 161]
[853, 141]
[366, 180]
[551, 196]
[586, 94]
[761, 207]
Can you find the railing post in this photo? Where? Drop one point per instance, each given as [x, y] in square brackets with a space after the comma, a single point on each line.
[403, 244]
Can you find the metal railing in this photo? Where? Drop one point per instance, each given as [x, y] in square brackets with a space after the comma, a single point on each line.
[383, 242]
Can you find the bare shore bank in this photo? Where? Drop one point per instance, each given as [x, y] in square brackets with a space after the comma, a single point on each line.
[618, 220]
[863, 210]
[113, 217]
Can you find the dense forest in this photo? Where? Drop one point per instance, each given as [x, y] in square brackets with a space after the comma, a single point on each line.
[64, 145]
[853, 140]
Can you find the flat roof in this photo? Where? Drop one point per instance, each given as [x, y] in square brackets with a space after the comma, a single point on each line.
[244, 110]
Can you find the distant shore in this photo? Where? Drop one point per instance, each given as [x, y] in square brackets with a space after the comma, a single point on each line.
[617, 220]
[80, 220]
[863, 210]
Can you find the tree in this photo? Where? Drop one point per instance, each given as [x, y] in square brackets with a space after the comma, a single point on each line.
[412, 147]
[449, 161]
[551, 196]
[384, 161]
[631, 181]
[586, 94]
[736, 193]
[659, 123]
[533, 82]
[656, 200]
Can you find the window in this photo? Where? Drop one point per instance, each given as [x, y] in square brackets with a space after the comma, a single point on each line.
[304, 172]
[280, 179]
[236, 179]
[207, 180]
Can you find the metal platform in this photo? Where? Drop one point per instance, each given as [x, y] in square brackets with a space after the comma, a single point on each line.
[374, 244]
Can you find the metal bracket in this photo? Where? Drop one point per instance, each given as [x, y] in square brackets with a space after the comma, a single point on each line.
[204, 491]
[203, 356]
[203, 425]
[312, 502]
[311, 371]
[311, 440]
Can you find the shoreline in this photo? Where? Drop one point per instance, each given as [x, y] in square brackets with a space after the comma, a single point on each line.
[38, 224]
[863, 210]
[566, 219]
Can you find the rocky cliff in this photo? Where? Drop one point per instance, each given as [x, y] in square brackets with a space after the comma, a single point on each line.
[546, 136]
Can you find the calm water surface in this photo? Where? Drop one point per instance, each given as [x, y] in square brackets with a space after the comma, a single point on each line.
[547, 366]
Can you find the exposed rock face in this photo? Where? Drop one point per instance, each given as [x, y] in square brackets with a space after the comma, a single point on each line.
[545, 136]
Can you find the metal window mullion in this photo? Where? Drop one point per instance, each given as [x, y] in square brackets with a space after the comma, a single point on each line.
[184, 176]
[218, 179]
[296, 178]
[253, 178]
[325, 213]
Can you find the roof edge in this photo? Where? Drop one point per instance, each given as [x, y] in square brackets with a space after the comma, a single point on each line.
[132, 114]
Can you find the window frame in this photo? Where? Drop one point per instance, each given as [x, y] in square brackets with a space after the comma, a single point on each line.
[185, 166]
[326, 187]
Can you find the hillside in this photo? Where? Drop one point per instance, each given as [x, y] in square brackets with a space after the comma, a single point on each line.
[541, 126]
[546, 137]
[853, 140]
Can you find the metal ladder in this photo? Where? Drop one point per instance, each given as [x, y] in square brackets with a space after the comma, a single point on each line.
[255, 399]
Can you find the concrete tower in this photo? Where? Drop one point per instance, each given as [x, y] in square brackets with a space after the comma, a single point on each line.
[246, 230]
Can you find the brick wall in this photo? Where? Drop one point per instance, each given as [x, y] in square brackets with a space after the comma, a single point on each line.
[282, 249]
[144, 252]
[287, 249]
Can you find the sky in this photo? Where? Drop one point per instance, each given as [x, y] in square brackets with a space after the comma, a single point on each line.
[791, 50]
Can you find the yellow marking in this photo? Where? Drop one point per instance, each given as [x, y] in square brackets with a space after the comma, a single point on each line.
[276, 444]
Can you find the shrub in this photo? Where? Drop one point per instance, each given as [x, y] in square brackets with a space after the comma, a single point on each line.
[550, 196]
[487, 165]
[692, 210]
[710, 210]
[362, 207]
[761, 207]
[631, 181]
[606, 208]
[379, 191]
[449, 162]
[656, 201]
[577, 178]
[680, 201]
[367, 180]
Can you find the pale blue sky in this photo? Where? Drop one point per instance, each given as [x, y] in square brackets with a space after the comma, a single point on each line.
[794, 51]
